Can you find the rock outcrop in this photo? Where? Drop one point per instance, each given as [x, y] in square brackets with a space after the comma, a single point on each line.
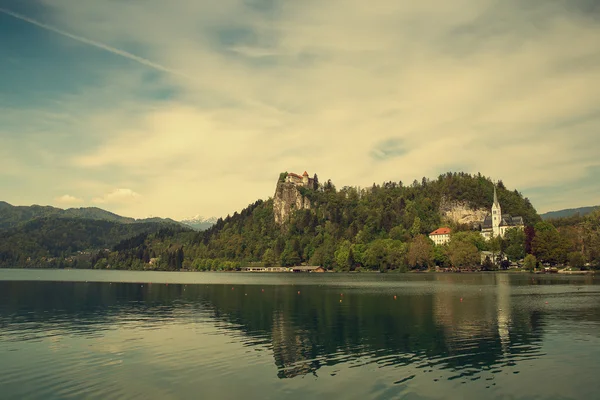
[461, 213]
[288, 199]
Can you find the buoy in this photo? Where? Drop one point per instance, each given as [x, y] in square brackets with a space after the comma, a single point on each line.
[231, 288]
[394, 297]
[263, 290]
[340, 300]
[461, 299]
[298, 292]
[546, 302]
[342, 294]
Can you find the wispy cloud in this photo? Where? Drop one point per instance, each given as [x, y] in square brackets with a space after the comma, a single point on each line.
[94, 43]
[495, 87]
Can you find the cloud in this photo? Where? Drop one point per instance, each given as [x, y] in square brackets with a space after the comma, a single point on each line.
[118, 196]
[93, 43]
[69, 200]
[355, 93]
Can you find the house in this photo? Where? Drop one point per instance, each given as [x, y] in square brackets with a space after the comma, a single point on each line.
[496, 223]
[310, 268]
[440, 236]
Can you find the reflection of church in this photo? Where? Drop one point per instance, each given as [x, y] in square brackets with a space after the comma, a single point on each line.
[496, 223]
[291, 349]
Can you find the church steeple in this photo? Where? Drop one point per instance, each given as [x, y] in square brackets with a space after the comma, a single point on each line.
[496, 198]
[496, 215]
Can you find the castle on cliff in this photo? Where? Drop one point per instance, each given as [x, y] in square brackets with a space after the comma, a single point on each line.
[298, 180]
[496, 223]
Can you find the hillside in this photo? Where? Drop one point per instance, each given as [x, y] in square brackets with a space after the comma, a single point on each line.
[374, 228]
[53, 241]
[570, 212]
[12, 216]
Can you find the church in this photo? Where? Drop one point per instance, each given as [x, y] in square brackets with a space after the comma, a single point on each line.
[496, 223]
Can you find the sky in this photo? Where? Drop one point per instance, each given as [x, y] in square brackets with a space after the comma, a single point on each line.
[186, 107]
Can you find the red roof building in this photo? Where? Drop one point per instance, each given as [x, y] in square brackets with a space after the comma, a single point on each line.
[440, 236]
[441, 231]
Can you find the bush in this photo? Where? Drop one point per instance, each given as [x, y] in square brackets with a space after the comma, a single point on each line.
[529, 262]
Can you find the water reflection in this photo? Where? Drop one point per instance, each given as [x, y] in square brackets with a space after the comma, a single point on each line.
[471, 330]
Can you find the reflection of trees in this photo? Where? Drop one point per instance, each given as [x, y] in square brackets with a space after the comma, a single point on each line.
[306, 330]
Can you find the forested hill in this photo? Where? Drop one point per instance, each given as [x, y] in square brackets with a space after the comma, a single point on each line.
[44, 236]
[68, 242]
[12, 216]
[567, 213]
[368, 227]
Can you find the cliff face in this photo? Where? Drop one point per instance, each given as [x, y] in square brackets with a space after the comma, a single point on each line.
[287, 199]
[461, 213]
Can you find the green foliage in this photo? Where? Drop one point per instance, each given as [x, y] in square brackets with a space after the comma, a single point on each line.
[420, 252]
[347, 229]
[514, 244]
[547, 245]
[69, 242]
[379, 228]
[576, 260]
[530, 262]
[463, 250]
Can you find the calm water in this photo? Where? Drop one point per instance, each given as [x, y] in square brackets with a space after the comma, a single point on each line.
[81, 334]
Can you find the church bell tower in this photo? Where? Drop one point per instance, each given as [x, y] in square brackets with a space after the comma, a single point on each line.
[496, 215]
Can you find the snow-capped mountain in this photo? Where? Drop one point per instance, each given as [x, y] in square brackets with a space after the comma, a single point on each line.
[199, 223]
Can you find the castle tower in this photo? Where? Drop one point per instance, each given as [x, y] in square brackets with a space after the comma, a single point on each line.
[496, 215]
[305, 179]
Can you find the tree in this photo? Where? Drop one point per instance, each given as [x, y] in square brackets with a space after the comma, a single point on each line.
[462, 252]
[495, 246]
[576, 260]
[547, 245]
[269, 259]
[440, 256]
[289, 257]
[420, 252]
[591, 241]
[514, 243]
[529, 262]
[343, 258]
[416, 227]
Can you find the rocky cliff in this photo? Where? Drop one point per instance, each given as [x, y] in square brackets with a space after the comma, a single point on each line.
[287, 199]
[461, 213]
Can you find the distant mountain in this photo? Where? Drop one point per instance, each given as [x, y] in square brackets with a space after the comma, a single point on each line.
[199, 223]
[12, 216]
[568, 212]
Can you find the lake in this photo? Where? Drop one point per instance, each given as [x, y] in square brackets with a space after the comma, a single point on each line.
[167, 335]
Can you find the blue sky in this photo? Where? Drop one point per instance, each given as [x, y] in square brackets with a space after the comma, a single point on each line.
[194, 107]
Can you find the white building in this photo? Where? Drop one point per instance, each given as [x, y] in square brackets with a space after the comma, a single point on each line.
[496, 223]
[440, 236]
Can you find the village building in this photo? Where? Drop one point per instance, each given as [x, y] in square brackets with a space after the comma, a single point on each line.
[496, 223]
[298, 180]
[440, 236]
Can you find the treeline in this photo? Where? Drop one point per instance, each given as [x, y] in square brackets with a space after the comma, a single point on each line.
[382, 227]
[70, 242]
